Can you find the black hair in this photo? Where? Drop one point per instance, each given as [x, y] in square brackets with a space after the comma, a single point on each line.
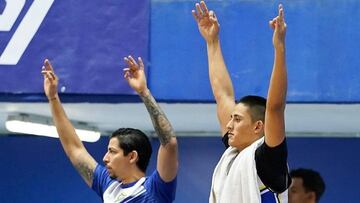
[312, 181]
[131, 139]
[257, 106]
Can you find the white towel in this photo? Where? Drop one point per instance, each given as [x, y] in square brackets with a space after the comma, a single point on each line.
[235, 178]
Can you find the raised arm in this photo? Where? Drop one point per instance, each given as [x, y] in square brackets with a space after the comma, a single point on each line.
[276, 100]
[167, 161]
[73, 147]
[219, 77]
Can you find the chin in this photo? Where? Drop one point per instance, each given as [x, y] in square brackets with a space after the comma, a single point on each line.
[111, 174]
[231, 143]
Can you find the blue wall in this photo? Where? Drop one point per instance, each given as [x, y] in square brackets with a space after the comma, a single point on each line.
[35, 169]
[86, 42]
[323, 38]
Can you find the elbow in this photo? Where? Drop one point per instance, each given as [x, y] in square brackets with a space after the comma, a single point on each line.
[172, 143]
[276, 106]
[276, 103]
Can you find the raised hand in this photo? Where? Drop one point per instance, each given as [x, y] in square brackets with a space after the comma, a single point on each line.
[279, 26]
[50, 80]
[207, 22]
[135, 74]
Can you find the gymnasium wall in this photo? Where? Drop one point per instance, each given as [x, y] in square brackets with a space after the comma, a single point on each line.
[322, 42]
[86, 40]
[35, 169]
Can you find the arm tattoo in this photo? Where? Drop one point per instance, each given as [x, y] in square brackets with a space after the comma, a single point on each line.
[161, 124]
[85, 171]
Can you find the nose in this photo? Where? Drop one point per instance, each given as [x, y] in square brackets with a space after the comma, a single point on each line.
[229, 125]
[106, 158]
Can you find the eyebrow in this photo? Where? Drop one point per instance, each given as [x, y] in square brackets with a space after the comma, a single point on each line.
[237, 116]
[112, 148]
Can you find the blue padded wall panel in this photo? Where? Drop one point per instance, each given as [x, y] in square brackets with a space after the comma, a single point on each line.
[35, 169]
[322, 45]
[85, 40]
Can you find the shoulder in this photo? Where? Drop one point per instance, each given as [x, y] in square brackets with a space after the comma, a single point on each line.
[271, 166]
[158, 187]
[155, 178]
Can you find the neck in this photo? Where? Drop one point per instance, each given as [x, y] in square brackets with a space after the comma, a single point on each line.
[132, 177]
[243, 146]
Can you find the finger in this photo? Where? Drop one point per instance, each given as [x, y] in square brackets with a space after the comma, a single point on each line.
[281, 13]
[43, 70]
[281, 10]
[204, 8]
[49, 77]
[213, 18]
[48, 65]
[278, 22]
[274, 21]
[53, 76]
[135, 65]
[272, 24]
[198, 9]
[141, 63]
[129, 70]
[128, 61]
[132, 59]
[197, 18]
[127, 76]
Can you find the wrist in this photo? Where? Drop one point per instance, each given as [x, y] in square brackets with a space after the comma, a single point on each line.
[212, 42]
[144, 92]
[53, 98]
[279, 47]
[213, 46]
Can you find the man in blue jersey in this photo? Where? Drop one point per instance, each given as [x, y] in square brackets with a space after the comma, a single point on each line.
[129, 150]
[254, 166]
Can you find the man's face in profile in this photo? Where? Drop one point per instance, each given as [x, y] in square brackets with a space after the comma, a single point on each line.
[298, 193]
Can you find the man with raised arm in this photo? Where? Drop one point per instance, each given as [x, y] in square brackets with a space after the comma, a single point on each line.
[254, 166]
[122, 179]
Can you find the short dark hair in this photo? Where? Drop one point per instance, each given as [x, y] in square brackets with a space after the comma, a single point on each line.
[133, 139]
[257, 106]
[312, 181]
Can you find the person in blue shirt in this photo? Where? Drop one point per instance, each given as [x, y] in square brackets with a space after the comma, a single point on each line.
[122, 178]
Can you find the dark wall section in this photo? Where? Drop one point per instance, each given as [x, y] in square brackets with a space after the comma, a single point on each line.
[35, 169]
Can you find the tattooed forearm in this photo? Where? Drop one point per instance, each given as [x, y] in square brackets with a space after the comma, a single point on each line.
[161, 124]
[85, 171]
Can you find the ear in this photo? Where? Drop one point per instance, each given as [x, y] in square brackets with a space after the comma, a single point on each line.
[133, 156]
[311, 196]
[259, 127]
